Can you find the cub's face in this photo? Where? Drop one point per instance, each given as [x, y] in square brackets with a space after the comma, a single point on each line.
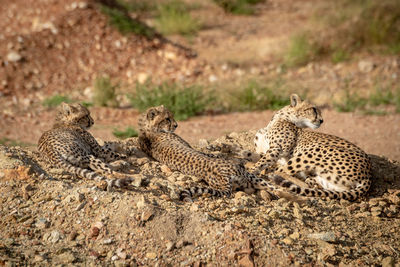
[304, 114]
[75, 114]
[157, 119]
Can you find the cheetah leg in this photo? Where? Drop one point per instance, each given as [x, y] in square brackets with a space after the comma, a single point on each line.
[351, 194]
[101, 167]
[102, 152]
[218, 187]
[88, 174]
[267, 160]
[188, 193]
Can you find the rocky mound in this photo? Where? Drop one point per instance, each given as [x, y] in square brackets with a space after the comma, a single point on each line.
[65, 45]
[48, 217]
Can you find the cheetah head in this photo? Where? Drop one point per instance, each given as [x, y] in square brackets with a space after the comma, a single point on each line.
[157, 119]
[304, 114]
[75, 114]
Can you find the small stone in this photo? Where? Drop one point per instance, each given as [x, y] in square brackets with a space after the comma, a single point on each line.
[212, 78]
[151, 255]
[66, 257]
[265, 195]
[13, 56]
[141, 203]
[42, 223]
[80, 206]
[167, 171]
[288, 241]
[114, 258]
[240, 194]
[324, 236]
[170, 245]
[146, 215]
[365, 66]
[297, 212]
[295, 235]
[54, 236]
[137, 180]
[121, 254]
[246, 261]
[107, 241]
[388, 262]
[72, 236]
[194, 207]
[142, 77]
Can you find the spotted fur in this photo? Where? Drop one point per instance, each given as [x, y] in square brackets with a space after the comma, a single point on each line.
[158, 140]
[70, 146]
[338, 167]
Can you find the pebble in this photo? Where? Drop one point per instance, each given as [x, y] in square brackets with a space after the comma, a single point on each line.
[151, 255]
[365, 66]
[42, 223]
[66, 257]
[107, 241]
[324, 236]
[170, 245]
[141, 203]
[54, 236]
[246, 261]
[288, 240]
[146, 215]
[13, 56]
[388, 262]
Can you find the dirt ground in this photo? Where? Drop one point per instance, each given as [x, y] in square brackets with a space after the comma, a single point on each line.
[49, 218]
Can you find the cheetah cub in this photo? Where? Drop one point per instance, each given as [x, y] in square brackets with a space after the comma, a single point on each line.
[337, 166]
[71, 147]
[158, 140]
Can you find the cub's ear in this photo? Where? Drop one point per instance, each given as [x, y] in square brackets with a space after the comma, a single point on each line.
[66, 108]
[295, 100]
[151, 113]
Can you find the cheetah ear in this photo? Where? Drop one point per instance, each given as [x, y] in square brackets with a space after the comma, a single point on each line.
[66, 108]
[151, 114]
[295, 100]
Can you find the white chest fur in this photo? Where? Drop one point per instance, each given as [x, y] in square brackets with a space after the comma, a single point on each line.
[261, 141]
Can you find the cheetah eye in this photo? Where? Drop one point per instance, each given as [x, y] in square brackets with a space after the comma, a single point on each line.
[168, 120]
[315, 111]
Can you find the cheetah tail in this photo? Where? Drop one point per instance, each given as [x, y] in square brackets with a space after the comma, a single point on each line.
[313, 192]
[187, 194]
[88, 174]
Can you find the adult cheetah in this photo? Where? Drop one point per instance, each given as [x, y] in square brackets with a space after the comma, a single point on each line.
[338, 167]
[158, 140]
[70, 146]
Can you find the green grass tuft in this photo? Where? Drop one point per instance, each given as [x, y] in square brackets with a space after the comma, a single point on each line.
[125, 24]
[10, 142]
[127, 133]
[238, 7]
[139, 6]
[55, 101]
[301, 50]
[350, 103]
[184, 102]
[104, 92]
[258, 97]
[340, 55]
[372, 104]
[174, 18]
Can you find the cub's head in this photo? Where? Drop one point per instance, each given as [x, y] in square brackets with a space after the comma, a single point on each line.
[157, 119]
[74, 114]
[303, 114]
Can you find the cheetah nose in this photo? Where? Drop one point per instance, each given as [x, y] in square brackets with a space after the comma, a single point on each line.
[321, 121]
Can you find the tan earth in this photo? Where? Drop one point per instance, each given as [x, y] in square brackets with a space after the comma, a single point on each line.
[49, 218]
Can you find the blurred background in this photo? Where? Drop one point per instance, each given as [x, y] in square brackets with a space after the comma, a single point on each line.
[219, 65]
